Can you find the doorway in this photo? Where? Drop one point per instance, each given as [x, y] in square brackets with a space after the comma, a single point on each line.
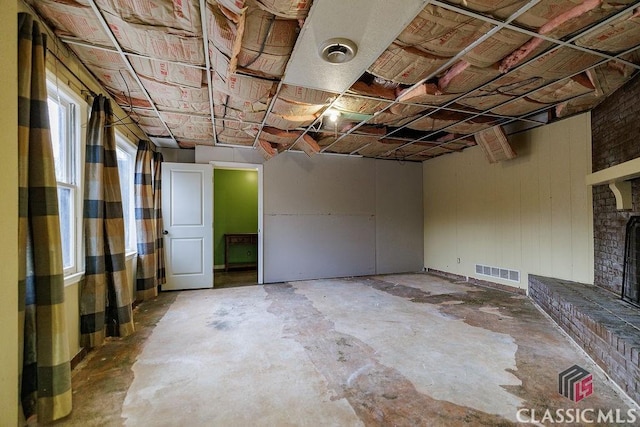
[237, 224]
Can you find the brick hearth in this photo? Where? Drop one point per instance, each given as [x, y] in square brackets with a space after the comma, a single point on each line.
[606, 327]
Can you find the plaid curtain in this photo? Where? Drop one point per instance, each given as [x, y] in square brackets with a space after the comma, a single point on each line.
[105, 297]
[157, 205]
[45, 375]
[148, 223]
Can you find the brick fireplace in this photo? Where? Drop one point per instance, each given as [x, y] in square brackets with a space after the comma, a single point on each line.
[596, 317]
[615, 128]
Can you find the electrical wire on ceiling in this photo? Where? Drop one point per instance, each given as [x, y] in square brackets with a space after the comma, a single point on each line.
[262, 44]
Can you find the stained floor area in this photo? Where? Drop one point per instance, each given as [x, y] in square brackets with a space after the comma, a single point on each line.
[397, 350]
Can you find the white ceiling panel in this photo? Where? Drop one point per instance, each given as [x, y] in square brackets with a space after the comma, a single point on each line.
[371, 24]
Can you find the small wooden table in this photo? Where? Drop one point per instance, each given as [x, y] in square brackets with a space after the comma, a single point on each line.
[239, 239]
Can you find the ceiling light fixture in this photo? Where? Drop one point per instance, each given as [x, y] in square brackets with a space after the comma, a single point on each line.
[338, 50]
[332, 114]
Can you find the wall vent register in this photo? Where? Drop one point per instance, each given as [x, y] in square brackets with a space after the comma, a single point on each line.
[500, 273]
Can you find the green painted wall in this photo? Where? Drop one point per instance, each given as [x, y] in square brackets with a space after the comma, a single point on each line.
[235, 210]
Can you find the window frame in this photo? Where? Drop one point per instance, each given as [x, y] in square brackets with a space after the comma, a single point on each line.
[128, 147]
[56, 91]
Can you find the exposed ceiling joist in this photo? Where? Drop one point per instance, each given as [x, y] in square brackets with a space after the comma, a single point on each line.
[459, 55]
[558, 45]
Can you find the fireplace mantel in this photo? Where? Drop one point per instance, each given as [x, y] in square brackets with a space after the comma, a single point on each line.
[619, 179]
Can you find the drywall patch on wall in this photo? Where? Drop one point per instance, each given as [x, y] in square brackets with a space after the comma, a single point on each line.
[330, 216]
[399, 242]
[319, 217]
[318, 246]
[235, 210]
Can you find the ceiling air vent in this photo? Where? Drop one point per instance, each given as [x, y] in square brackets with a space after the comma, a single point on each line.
[338, 50]
[500, 273]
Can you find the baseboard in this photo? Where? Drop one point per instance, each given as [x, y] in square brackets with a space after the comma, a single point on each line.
[218, 267]
[79, 357]
[446, 274]
[479, 282]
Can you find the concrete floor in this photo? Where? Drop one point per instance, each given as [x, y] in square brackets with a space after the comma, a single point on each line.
[401, 350]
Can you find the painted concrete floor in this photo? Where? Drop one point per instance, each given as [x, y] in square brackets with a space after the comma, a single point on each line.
[397, 350]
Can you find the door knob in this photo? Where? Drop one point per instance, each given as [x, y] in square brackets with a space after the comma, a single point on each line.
[165, 232]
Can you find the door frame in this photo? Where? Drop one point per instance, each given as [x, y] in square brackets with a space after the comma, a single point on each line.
[259, 168]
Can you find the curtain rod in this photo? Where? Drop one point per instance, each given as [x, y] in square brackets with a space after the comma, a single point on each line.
[84, 89]
[87, 90]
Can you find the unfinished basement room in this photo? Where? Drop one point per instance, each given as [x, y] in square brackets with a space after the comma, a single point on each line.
[320, 213]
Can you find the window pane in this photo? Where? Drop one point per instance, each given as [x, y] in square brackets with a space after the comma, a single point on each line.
[64, 127]
[65, 201]
[125, 170]
[54, 124]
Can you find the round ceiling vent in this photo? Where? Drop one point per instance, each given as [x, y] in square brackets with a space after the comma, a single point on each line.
[338, 50]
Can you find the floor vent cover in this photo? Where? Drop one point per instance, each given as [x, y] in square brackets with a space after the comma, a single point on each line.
[500, 273]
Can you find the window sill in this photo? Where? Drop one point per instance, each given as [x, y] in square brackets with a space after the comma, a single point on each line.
[74, 278]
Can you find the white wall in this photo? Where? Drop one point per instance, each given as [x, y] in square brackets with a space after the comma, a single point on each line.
[532, 214]
[178, 155]
[204, 154]
[332, 216]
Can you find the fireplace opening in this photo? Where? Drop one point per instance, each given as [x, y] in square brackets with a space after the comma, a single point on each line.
[631, 272]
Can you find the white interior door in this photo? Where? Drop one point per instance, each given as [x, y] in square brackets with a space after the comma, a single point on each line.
[187, 209]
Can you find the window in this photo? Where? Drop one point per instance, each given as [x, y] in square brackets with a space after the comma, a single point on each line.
[126, 170]
[64, 123]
